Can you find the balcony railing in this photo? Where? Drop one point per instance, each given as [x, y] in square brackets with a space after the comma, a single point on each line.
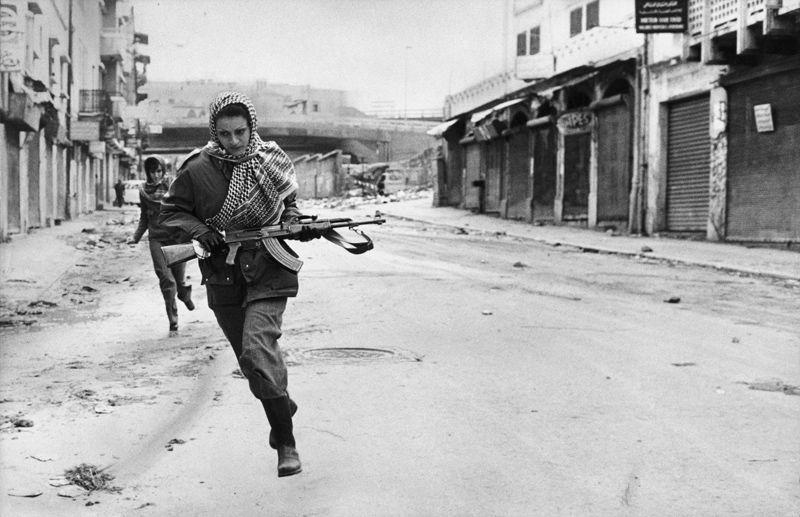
[94, 101]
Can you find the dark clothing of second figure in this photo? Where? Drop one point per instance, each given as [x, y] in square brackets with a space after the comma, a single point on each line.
[119, 191]
[171, 281]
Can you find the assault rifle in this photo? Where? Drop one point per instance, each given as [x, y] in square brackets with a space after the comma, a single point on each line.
[269, 235]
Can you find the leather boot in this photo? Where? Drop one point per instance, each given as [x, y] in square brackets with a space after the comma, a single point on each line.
[185, 295]
[279, 414]
[273, 442]
[288, 461]
[172, 313]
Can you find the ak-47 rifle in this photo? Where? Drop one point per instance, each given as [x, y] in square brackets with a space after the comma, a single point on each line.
[269, 235]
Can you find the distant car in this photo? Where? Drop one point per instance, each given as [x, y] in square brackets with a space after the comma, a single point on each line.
[130, 195]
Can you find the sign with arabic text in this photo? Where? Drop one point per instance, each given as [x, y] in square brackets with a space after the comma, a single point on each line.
[662, 15]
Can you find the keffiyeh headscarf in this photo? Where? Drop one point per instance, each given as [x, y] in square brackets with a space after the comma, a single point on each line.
[263, 176]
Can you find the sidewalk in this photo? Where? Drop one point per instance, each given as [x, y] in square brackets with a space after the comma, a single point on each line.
[724, 256]
[31, 263]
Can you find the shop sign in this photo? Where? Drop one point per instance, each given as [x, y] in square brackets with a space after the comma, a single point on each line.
[85, 130]
[12, 40]
[575, 122]
[97, 147]
[763, 116]
[662, 15]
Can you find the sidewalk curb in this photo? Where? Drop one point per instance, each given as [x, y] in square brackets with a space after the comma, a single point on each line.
[611, 251]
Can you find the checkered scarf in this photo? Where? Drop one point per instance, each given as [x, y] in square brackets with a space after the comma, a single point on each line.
[263, 176]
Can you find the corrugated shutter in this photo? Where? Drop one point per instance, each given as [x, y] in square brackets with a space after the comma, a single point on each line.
[518, 175]
[764, 168]
[473, 173]
[688, 155]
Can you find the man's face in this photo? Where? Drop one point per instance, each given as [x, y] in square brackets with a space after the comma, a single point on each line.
[234, 134]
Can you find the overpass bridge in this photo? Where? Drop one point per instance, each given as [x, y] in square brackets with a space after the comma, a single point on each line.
[367, 140]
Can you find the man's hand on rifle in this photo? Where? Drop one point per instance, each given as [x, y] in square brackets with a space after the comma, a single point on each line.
[306, 234]
[211, 241]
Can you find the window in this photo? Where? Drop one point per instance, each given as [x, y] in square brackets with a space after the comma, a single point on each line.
[592, 14]
[521, 44]
[575, 21]
[533, 41]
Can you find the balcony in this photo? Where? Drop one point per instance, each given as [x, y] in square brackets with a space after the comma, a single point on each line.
[116, 46]
[596, 46]
[537, 66]
[94, 102]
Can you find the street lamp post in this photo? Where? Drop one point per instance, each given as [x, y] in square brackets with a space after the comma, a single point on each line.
[405, 83]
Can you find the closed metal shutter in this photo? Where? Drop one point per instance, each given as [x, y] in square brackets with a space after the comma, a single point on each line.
[494, 175]
[518, 175]
[763, 202]
[688, 157]
[472, 199]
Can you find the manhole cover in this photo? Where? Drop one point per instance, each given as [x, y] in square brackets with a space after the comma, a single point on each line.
[347, 354]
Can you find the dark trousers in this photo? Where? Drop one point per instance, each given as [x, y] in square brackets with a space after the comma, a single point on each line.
[253, 332]
[170, 280]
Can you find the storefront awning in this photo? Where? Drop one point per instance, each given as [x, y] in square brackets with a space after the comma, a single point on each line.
[439, 130]
[481, 115]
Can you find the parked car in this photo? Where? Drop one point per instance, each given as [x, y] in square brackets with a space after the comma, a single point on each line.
[130, 195]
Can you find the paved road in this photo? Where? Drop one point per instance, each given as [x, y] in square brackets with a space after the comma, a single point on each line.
[456, 373]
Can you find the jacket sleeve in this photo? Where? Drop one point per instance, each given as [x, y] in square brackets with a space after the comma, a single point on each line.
[290, 209]
[178, 208]
[137, 235]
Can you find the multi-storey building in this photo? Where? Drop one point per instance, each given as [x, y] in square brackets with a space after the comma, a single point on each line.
[603, 123]
[68, 71]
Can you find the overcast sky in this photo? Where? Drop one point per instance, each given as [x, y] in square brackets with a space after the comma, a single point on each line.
[373, 48]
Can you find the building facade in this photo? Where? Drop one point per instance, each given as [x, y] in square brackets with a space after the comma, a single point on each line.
[68, 72]
[606, 123]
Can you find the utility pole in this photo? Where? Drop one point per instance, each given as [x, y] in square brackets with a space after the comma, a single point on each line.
[70, 149]
[405, 85]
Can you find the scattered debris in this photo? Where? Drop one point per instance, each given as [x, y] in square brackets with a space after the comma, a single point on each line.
[103, 409]
[774, 385]
[84, 394]
[58, 481]
[673, 299]
[17, 492]
[90, 478]
[22, 422]
[42, 303]
[679, 365]
[174, 441]
[71, 491]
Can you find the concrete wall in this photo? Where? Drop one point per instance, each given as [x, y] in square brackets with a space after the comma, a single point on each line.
[669, 83]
